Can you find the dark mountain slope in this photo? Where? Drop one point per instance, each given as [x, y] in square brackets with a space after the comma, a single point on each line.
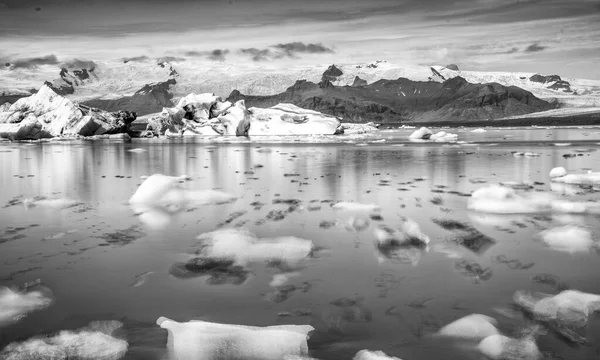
[406, 100]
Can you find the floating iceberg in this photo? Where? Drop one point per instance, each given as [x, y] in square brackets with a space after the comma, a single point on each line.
[14, 305]
[474, 326]
[426, 134]
[208, 341]
[352, 206]
[244, 247]
[570, 307]
[373, 355]
[160, 196]
[568, 238]
[499, 347]
[589, 178]
[94, 342]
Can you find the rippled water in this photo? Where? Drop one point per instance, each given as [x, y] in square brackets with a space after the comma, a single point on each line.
[102, 263]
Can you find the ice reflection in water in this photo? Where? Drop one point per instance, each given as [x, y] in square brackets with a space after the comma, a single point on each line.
[104, 261]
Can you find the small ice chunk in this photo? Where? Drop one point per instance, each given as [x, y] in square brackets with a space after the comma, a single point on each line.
[480, 130]
[568, 238]
[137, 150]
[352, 206]
[358, 224]
[579, 179]
[421, 134]
[244, 247]
[474, 326]
[373, 355]
[15, 305]
[570, 307]
[94, 342]
[207, 341]
[499, 347]
[57, 203]
[504, 200]
[407, 233]
[558, 172]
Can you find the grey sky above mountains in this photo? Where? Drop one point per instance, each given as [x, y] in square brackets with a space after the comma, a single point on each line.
[547, 36]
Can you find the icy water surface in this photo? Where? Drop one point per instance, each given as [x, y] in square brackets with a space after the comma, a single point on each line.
[102, 262]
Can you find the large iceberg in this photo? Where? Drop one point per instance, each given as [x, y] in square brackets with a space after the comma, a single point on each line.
[213, 341]
[46, 114]
[207, 114]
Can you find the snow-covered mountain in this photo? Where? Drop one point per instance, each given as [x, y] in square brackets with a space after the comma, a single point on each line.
[117, 80]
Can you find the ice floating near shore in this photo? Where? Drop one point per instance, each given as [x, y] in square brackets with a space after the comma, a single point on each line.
[474, 326]
[57, 203]
[560, 175]
[479, 130]
[244, 247]
[498, 347]
[213, 341]
[568, 238]
[570, 307]
[406, 243]
[426, 134]
[352, 206]
[497, 199]
[373, 355]
[15, 305]
[159, 196]
[94, 342]
[504, 200]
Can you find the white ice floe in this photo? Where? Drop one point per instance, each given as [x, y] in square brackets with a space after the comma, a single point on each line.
[244, 247]
[159, 196]
[568, 238]
[57, 203]
[497, 199]
[570, 307]
[373, 355]
[15, 305]
[426, 134]
[282, 279]
[526, 154]
[558, 172]
[421, 134]
[474, 326]
[480, 130]
[498, 347]
[357, 224]
[213, 341]
[353, 206]
[504, 200]
[92, 343]
[407, 233]
[588, 178]
[137, 150]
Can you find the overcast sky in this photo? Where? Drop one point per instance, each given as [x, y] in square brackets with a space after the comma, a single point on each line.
[547, 36]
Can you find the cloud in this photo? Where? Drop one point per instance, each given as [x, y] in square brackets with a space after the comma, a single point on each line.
[169, 59]
[136, 59]
[218, 55]
[257, 54]
[535, 48]
[35, 61]
[298, 47]
[285, 50]
[214, 55]
[78, 64]
[512, 51]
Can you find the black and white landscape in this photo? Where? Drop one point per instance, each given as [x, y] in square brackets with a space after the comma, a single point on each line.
[283, 180]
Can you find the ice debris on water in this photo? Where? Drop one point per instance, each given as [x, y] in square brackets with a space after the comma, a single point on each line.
[93, 342]
[474, 326]
[243, 247]
[352, 206]
[560, 175]
[206, 340]
[568, 238]
[426, 134]
[15, 305]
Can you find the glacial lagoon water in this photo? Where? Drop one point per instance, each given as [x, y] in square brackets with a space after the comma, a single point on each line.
[102, 262]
